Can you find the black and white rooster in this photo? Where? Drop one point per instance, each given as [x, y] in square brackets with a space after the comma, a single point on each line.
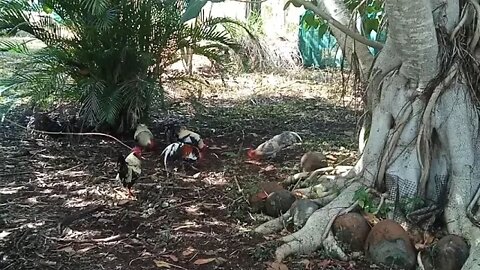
[129, 169]
[182, 134]
[177, 151]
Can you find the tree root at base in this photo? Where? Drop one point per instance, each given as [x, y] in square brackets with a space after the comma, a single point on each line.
[312, 235]
[273, 225]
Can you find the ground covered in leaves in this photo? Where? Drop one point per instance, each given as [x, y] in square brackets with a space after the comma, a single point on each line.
[61, 208]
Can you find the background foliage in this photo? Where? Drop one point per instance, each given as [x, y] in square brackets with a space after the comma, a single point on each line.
[107, 55]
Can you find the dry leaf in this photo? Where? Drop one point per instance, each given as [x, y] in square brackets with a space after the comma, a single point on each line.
[371, 218]
[269, 168]
[324, 263]
[307, 263]
[277, 266]
[123, 202]
[85, 249]
[253, 162]
[67, 249]
[188, 251]
[171, 257]
[330, 157]
[203, 261]
[419, 246]
[162, 264]
[214, 147]
[220, 260]
[197, 175]
[428, 238]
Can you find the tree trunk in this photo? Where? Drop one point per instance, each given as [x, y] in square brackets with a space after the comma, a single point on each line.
[425, 124]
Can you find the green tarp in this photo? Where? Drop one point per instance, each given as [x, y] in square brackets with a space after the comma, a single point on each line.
[322, 51]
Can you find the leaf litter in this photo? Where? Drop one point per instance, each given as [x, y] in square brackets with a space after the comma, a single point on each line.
[62, 177]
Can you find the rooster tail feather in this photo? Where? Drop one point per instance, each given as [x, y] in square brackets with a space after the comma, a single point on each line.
[296, 135]
[165, 162]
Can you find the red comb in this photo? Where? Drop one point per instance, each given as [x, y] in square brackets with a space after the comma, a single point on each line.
[251, 153]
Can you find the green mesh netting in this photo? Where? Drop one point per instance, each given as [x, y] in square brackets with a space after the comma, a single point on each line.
[320, 50]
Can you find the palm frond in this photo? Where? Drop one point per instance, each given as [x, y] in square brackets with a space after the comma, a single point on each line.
[11, 46]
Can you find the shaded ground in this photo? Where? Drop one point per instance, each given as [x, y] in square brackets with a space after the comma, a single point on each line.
[57, 194]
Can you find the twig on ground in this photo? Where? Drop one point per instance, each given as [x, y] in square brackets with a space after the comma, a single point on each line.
[240, 190]
[68, 133]
[97, 240]
[69, 169]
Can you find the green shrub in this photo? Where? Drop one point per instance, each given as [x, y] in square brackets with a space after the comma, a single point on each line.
[107, 55]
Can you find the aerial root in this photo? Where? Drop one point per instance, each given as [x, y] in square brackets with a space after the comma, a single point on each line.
[273, 225]
[423, 143]
[298, 243]
[470, 207]
[331, 247]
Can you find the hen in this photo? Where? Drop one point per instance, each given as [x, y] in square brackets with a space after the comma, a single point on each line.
[144, 137]
[270, 148]
[129, 169]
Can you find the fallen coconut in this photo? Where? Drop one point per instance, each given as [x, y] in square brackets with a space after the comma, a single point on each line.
[279, 202]
[301, 210]
[450, 253]
[312, 161]
[351, 230]
[257, 200]
[389, 244]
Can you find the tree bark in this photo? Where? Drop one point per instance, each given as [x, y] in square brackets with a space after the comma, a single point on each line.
[414, 136]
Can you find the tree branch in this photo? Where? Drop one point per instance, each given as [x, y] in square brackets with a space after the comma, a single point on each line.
[337, 24]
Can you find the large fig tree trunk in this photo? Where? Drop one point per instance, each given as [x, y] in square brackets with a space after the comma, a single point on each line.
[424, 120]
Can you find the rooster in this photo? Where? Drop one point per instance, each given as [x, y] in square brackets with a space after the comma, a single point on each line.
[144, 137]
[129, 169]
[180, 151]
[270, 148]
[182, 134]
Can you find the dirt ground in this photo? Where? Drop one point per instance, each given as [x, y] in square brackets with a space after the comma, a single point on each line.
[61, 208]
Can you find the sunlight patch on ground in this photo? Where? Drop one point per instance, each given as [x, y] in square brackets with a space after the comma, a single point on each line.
[215, 179]
[87, 234]
[77, 202]
[71, 173]
[69, 185]
[33, 200]
[193, 210]
[4, 235]
[48, 191]
[306, 84]
[11, 190]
